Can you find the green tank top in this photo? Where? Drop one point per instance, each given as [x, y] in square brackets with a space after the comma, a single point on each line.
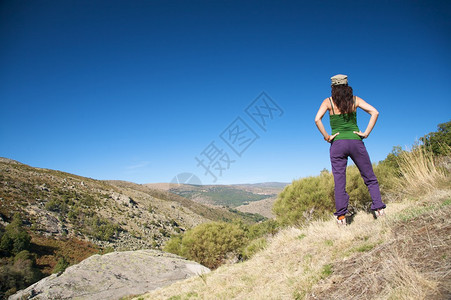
[345, 124]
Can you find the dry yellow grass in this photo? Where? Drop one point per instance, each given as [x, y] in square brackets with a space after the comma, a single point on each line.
[420, 172]
[301, 263]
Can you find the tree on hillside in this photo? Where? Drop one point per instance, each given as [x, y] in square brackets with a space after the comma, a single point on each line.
[438, 139]
[15, 238]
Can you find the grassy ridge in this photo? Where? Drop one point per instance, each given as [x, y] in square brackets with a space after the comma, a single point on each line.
[370, 259]
[367, 260]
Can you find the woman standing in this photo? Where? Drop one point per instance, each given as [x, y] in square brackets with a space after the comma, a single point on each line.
[346, 141]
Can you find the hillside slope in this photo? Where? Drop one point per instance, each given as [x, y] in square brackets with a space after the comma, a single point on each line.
[72, 217]
[261, 207]
[407, 255]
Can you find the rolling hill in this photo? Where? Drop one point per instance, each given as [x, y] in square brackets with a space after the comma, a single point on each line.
[248, 198]
[72, 217]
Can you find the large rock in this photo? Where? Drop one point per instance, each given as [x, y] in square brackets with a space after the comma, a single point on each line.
[114, 275]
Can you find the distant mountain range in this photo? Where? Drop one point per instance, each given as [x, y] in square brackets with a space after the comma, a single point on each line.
[250, 198]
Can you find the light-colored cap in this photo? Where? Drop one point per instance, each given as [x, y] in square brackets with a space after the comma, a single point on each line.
[339, 79]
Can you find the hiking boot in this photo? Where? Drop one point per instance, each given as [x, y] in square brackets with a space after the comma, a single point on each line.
[380, 213]
[341, 220]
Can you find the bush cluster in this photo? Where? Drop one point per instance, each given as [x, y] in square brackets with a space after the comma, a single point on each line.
[305, 199]
[78, 208]
[210, 244]
[101, 228]
[14, 238]
[17, 265]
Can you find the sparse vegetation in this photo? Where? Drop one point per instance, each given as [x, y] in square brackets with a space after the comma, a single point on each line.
[101, 229]
[248, 217]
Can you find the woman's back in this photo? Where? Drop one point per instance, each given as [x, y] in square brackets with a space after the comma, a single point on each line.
[345, 124]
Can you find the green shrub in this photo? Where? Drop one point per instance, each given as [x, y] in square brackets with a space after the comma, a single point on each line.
[101, 228]
[15, 238]
[61, 265]
[387, 175]
[57, 205]
[209, 243]
[24, 255]
[268, 227]
[304, 199]
[174, 245]
[392, 159]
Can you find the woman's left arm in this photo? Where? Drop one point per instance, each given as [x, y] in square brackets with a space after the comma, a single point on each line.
[319, 115]
[374, 115]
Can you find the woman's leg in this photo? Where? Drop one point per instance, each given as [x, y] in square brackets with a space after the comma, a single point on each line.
[362, 160]
[339, 161]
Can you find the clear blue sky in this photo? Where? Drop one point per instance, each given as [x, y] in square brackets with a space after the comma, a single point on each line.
[136, 90]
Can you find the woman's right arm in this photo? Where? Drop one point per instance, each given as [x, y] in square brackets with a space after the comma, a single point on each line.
[374, 115]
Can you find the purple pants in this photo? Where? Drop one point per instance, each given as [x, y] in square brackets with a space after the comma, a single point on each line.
[339, 152]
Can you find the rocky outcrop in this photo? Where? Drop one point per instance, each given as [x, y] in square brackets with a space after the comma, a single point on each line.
[114, 275]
